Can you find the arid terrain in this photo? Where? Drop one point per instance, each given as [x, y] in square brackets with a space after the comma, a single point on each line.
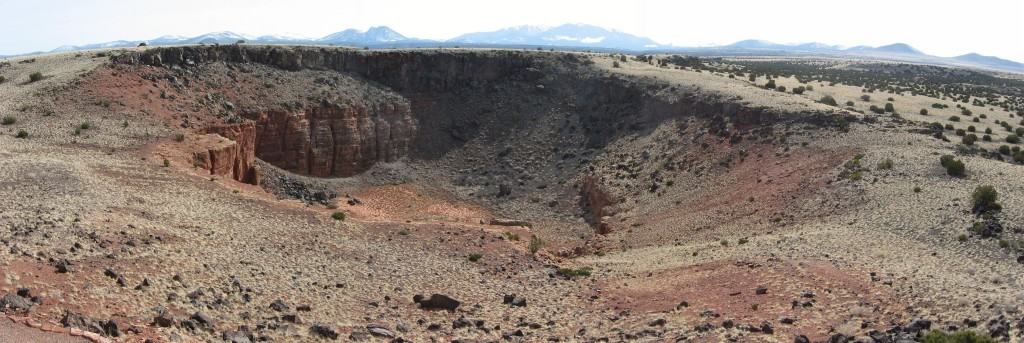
[247, 193]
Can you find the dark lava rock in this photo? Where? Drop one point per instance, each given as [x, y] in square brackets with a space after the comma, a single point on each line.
[203, 320]
[324, 330]
[657, 322]
[839, 338]
[801, 339]
[761, 290]
[15, 302]
[111, 328]
[461, 322]
[436, 302]
[767, 328]
[514, 301]
[918, 325]
[240, 336]
[63, 266]
[279, 305]
[79, 321]
[704, 327]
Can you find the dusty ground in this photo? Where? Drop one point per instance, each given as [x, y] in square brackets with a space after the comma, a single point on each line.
[834, 255]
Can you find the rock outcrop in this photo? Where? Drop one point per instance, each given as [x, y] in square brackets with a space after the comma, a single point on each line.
[229, 151]
[334, 139]
[595, 200]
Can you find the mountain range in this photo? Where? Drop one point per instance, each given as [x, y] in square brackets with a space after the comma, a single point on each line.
[573, 37]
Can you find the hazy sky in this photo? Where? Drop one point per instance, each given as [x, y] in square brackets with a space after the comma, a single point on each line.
[944, 28]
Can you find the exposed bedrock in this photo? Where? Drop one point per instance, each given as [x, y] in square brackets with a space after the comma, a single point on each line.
[333, 139]
[229, 151]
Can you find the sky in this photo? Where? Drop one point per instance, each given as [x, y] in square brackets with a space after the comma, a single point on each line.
[942, 28]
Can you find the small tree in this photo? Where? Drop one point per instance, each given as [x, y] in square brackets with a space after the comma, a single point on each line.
[969, 139]
[770, 84]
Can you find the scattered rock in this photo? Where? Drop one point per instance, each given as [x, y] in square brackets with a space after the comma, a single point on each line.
[436, 302]
[767, 328]
[81, 322]
[203, 320]
[514, 300]
[379, 331]
[657, 322]
[324, 330]
[15, 302]
[761, 290]
[509, 222]
[801, 339]
[279, 306]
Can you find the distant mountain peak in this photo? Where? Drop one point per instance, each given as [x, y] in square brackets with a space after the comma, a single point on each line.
[569, 35]
[375, 34]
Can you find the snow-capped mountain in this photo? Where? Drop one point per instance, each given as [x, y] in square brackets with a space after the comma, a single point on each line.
[376, 34]
[568, 35]
[572, 36]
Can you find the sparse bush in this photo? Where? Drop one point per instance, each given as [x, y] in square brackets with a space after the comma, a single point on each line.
[962, 237]
[960, 132]
[179, 137]
[986, 138]
[21, 134]
[574, 273]
[167, 163]
[828, 100]
[798, 90]
[885, 164]
[988, 130]
[969, 139]
[475, 257]
[1014, 139]
[849, 102]
[984, 199]
[615, 64]
[876, 109]
[770, 84]
[1004, 149]
[865, 97]
[970, 128]
[954, 118]
[954, 167]
[949, 126]
[965, 112]
[535, 244]
[338, 216]
[889, 107]
[809, 88]
[917, 189]
[85, 125]
[35, 77]
[512, 236]
[781, 88]
[3, 79]
[924, 112]
[9, 120]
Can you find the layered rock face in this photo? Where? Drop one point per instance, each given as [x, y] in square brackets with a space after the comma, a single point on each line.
[229, 151]
[334, 140]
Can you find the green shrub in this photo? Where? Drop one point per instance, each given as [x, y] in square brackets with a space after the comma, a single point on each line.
[828, 100]
[988, 130]
[949, 126]
[512, 236]
[962, 237]
[798, 90]
[1012, 139]
[954, 167]
[986, 138]
[85, 125]
[969, 139]
[475, 257]
[574, 273]
[889, 107]
[8, 120]
[960, 132]
[179, 137]
[1004, 149]
[917, 189]
[781, 88]
[849, 103]
[971, 128]
[35, 77]
[984, 199]
[954, 118]
[865, 97]
[770, 84]
[535, 244]
[338, 216]
[924, 112]
[21, 134]
[965, 112]
[936, 336]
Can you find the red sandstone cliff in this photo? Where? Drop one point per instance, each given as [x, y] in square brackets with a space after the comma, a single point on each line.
[229, 151]
[334, 139]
